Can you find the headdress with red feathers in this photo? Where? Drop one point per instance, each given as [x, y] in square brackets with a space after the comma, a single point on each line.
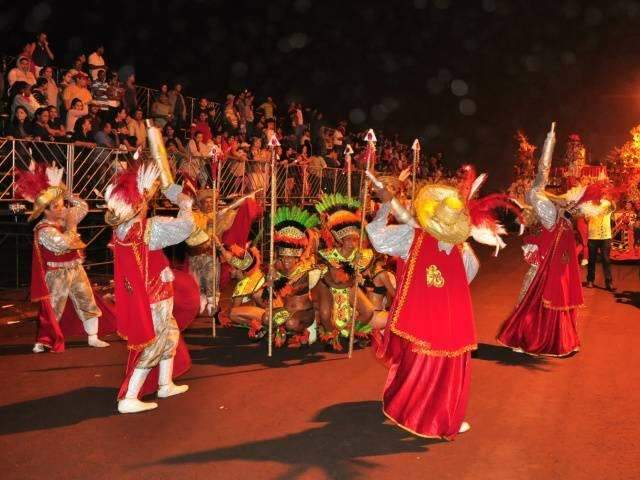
[41, 184]
[131, 188]
[485, 227]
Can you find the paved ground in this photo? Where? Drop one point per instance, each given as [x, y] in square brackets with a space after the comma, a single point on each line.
[314, 415]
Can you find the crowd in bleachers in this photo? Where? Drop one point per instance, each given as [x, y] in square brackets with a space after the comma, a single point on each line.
[91, 104]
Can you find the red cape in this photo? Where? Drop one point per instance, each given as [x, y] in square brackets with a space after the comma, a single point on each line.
[238, 234]
[52, 332]
[432, 309]
[186, 303]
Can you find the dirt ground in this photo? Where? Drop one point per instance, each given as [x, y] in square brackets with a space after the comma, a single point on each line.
[315, 415]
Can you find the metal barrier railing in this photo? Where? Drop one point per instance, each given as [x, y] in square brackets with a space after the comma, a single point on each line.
[90, 169]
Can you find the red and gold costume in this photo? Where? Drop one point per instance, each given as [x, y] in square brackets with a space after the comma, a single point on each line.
[144, 286]
[544, 321]
[57, 274]
[430, 333]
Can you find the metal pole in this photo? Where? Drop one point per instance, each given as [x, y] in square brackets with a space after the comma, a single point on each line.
[370, 137]
[347, 157]
[416, 155]
[272, 144]
[214, 194]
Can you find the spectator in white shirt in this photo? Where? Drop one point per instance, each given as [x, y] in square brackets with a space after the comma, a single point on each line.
[23, 98]
[78, 109]
[51, 89]
[197, 147]
[96, 62]
[21, 72]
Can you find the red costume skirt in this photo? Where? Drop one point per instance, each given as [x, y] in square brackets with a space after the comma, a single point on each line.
[426, 395]
[539, 330]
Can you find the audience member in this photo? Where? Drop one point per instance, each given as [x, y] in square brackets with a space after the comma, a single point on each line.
[78, 89]
[137, 128]
[19, 127]
[42, 54]
[21, 72]
[96, 62]
[51, 89]
[77, 110]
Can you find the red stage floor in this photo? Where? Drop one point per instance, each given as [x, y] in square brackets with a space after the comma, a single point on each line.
[314, 415]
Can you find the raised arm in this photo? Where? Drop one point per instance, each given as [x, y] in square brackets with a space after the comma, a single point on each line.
[545, 209]
[166, 231]
[393, 240]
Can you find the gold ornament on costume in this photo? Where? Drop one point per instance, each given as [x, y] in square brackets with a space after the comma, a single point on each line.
[434, 277]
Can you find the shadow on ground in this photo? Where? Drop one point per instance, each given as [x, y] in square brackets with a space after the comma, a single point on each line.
[352, 430]
[232, 348]
[56, 411]
[505, 356]
[628, 298]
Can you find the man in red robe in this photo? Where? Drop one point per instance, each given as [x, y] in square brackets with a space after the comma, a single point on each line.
[57, 274]
[430, 333]
[144, 287]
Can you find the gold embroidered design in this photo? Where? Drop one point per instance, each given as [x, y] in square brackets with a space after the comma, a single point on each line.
[434, 277]
[128, 286]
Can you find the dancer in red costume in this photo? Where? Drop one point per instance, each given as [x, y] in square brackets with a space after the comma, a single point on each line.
[144, 286]
[430, 334]
[57, 274]
[544, 321]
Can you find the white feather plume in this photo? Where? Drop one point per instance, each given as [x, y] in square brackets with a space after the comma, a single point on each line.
[489, 236]
[574, 194]
[54, 175]
[147, 175]
[477, 183]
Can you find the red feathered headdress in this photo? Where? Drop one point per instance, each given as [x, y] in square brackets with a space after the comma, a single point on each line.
[40, 185]
[131, 188]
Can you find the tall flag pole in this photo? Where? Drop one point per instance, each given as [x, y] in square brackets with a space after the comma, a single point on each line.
[370, 137]
[273, 143]
[214, 256]
[416, 156]
[347, 158]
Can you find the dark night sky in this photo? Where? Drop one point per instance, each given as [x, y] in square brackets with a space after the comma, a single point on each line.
[407, 66]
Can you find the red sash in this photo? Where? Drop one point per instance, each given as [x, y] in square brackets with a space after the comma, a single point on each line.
[558, 267]
[432, 309]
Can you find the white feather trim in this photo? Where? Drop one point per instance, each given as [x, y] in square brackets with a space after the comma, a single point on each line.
[54, 175]
[574, 194]
[147, 175]
[477, 183]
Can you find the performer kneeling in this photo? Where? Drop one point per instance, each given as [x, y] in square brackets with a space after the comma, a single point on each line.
[247, 306]
[143, 285]
[335, 291]
[58, 254]
[294, 276]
